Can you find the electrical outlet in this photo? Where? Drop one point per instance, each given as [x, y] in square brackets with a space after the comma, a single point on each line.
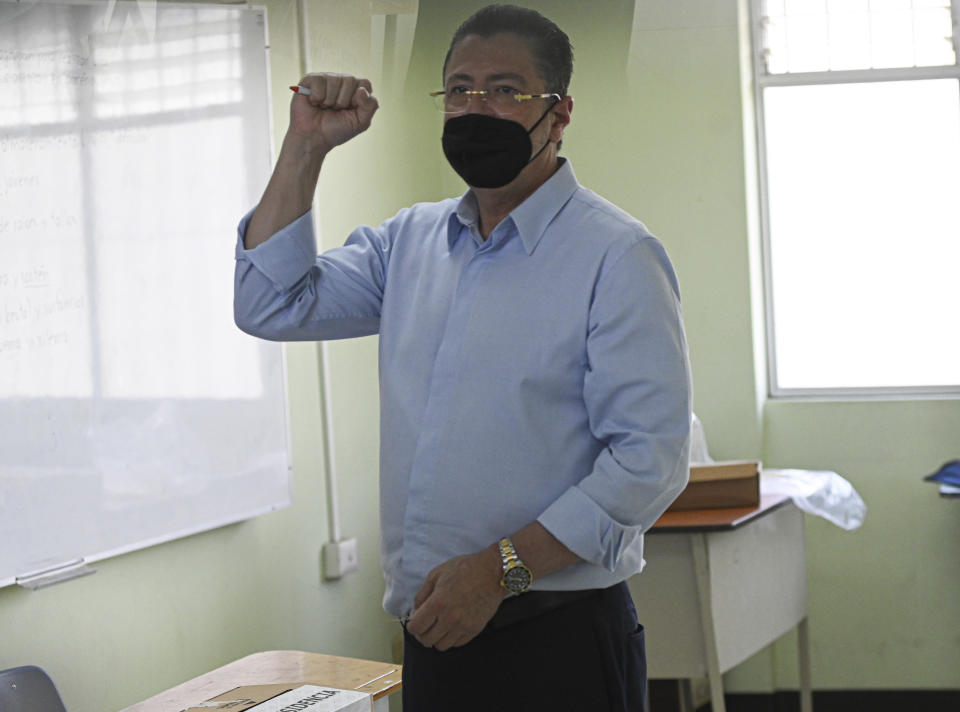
[339, 558]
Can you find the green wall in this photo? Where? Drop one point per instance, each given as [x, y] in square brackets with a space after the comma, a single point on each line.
[661, 126]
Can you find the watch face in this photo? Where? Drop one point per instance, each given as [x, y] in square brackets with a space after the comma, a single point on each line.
[517, 579]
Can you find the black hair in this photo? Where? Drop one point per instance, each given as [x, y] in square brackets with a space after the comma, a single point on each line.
[550, 45]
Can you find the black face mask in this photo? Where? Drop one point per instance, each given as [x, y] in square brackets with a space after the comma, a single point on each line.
[487, 151]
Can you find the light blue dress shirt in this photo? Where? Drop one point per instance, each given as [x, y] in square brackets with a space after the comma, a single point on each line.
[541, 374]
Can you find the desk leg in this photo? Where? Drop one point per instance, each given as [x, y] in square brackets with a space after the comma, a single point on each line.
[806, 686]
[685, 694]
[701, 568]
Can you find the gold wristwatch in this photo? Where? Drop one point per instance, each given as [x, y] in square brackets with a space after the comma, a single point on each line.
[517, 576]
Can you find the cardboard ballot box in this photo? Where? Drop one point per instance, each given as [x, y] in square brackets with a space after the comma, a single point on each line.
[287, 697]
[719, 485]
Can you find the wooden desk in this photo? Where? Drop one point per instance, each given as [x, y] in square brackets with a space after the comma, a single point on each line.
[719, 586]
[276, 666]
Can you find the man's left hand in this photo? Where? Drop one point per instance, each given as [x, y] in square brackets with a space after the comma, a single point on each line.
[457, 600]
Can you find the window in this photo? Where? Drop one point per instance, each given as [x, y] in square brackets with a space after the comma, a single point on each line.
[858, 106]
[100, 111]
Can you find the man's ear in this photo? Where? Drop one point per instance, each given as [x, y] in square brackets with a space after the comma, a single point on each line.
[561, 118]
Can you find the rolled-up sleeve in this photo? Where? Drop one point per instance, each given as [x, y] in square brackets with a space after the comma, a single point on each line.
[637, 392]
[284, 291]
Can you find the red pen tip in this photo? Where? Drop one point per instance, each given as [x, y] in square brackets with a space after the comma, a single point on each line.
[294, 88]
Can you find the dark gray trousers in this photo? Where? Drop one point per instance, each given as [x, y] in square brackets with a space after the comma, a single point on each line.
[587, 655]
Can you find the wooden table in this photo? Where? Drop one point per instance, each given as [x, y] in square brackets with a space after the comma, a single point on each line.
[281, 666]
[719, 586]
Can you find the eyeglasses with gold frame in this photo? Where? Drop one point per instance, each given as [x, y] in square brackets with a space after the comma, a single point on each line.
[456, 100]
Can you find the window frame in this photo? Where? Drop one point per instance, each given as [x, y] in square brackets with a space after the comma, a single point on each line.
[763, 80]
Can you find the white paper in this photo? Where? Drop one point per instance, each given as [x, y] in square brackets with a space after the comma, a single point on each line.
[315, 698]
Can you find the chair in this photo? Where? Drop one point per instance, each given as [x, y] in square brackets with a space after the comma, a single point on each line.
[28, 689]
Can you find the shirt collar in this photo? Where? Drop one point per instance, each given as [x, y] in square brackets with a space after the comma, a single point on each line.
[531, 217]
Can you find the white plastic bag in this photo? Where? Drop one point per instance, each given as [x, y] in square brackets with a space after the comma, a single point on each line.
[819, 492]
[698, 442]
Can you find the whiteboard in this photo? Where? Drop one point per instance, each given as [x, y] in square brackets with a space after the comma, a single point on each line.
[133, 136]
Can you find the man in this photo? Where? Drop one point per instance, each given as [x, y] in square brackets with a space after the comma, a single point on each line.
[535, 397]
